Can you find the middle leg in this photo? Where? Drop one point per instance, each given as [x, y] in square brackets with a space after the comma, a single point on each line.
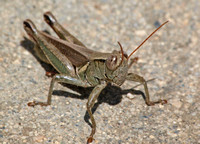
[59, 78]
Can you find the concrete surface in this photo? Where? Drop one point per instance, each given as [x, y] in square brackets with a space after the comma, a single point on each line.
[171, 56]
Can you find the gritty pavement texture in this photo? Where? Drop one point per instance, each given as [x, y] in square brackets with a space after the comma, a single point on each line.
[171, 56]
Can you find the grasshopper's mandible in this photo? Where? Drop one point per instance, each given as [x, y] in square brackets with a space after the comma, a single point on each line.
[80, 66]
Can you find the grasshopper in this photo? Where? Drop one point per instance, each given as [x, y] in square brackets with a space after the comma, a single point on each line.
[80, 66]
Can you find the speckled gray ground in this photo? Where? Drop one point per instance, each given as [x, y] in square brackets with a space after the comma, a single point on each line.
[171, 56]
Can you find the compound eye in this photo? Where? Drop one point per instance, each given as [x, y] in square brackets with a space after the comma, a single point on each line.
[111, 62]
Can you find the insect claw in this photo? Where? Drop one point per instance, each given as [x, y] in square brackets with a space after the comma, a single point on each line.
[50, 74]
[163, 102]
[34, 103]
[31, 104]
[150, 104]
[90, 139]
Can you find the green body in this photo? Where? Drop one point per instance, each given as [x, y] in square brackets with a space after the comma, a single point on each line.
[78, 65]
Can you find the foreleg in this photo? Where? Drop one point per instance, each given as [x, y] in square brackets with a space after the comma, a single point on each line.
[137, 78]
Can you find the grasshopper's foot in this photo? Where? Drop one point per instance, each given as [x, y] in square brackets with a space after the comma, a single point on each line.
[50, 74]
[90, 139]
[157, 102]
[34, 103]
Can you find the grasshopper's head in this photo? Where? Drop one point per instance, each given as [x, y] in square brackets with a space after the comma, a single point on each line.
[117, 66]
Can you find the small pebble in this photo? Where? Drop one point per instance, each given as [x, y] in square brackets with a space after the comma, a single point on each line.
[176, 103]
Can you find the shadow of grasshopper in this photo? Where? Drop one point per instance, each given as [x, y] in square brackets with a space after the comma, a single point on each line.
[111, 95]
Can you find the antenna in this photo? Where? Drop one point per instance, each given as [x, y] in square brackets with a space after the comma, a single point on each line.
[148, 38]
[121, 51]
